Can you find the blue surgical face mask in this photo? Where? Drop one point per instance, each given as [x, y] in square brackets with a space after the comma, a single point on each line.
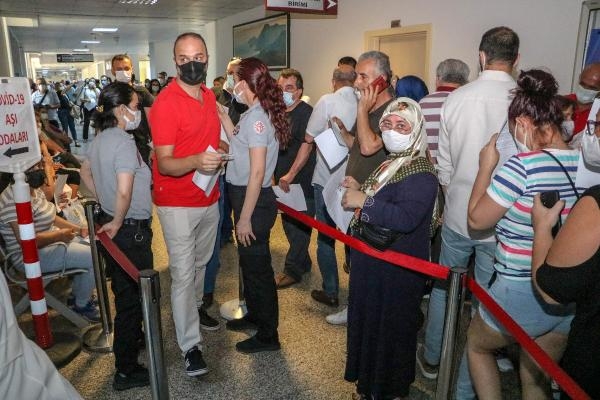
[288, 98]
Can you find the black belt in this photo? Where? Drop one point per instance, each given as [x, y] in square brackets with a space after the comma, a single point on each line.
[140, 223]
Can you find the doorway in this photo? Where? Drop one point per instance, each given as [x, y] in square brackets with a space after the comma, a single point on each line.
[408, 48]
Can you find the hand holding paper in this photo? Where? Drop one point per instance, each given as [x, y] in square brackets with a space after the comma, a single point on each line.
[330, 148]
[206, 180]
[293, 199]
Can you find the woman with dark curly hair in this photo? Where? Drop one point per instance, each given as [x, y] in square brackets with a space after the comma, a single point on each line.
[255, 143]
[116, 173]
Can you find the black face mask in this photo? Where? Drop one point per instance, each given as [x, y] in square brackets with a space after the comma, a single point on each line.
[36, 178]
[193, 72]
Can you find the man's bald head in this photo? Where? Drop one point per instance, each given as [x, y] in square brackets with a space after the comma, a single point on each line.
[590, 77]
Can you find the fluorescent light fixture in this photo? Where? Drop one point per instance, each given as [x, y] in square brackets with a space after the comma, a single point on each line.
[105, 29]
[90, 41]
[139, 2]
[22, 22]
[81, 49]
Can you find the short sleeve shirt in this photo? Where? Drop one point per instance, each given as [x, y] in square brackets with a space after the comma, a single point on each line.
[298, 118]
[113, 151]
[190, 126]
[254, 130]
[44, 214]
[514, 187]
[51, 98]
[341, 104]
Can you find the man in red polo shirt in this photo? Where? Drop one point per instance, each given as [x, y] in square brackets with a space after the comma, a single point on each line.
[184, 124]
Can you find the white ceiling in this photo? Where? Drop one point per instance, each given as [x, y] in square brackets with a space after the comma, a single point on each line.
[62, 24]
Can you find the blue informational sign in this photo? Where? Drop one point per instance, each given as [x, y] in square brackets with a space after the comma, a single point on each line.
[592, 55]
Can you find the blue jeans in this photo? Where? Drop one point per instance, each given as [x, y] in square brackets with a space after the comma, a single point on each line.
[456, 251]
[67, 121]
[212, 268]
[75, 254]
[326, 247]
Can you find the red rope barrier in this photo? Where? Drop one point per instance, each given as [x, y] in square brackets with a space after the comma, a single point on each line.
[118, 256]
[546, 363]
[413, 263]
[441, 272]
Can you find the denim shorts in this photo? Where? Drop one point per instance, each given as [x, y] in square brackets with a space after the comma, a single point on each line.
[520, 300]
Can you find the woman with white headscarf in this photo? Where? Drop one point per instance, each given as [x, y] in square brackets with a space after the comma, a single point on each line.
[384, 299]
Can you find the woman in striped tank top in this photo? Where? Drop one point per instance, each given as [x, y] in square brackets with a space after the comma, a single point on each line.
[544, 163]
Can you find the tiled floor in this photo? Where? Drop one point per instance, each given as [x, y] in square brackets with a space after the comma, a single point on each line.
[309, 366]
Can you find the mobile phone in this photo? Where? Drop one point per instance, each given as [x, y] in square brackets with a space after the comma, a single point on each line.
[380, 84]
[549, 199]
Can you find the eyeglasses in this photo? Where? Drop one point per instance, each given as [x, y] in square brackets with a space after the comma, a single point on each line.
[592, 126]
[401, 126]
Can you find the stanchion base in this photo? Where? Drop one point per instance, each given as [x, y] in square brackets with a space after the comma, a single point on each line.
[95, 340]
[233, 309]
[66, 347]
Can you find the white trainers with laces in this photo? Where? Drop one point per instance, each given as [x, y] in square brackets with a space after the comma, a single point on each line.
[339, 318]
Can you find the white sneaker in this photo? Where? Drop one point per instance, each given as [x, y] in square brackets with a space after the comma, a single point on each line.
[339, 318]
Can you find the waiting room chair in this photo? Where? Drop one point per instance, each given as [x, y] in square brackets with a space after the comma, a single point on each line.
[18, 277]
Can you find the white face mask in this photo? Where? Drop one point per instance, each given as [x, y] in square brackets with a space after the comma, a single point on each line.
[590, 147]
[395, 142]
[131, 124]
[585, 96]
[238, 96]
[521, 147]
[230, 83]
[123, 76]
[567, 130]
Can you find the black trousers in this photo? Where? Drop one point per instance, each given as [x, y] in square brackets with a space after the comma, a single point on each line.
[255, 261]
[87, 117]
[136, 243]
[297, 259]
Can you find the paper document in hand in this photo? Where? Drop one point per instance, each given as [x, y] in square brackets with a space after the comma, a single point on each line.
[293, 199]
[59, 187]
[330, 149]
[506, 146]
[332, 196]
[337, 132]
[205, 180]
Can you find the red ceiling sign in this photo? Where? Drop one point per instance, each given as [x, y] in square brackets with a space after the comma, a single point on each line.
[329, 7]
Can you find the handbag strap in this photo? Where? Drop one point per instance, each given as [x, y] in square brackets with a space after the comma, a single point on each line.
[43, 97]
[565, 171]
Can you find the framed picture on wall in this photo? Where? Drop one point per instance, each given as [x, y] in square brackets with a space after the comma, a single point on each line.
[267, 39]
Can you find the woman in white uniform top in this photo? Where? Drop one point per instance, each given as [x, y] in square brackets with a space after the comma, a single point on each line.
[255, 143]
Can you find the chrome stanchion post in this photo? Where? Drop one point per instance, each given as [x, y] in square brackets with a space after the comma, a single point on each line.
[451, 324]
[150, 292]
[236, 308]
[98, 338]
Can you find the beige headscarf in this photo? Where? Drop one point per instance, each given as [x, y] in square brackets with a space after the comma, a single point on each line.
[390, 171]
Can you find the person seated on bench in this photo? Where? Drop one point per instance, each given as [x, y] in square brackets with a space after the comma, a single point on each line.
[58, 240]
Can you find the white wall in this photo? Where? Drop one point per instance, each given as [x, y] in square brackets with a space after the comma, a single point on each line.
[547, 29]
[161, 53]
